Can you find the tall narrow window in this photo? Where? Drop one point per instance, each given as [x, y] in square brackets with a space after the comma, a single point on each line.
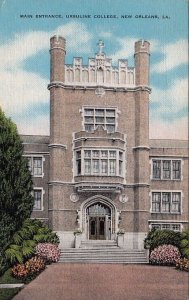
[176, 169]
[176, 202]
[120, 163]
[37, 199]
[156, 169]
[156, 202]
[166, 169]
[37, 166]
[166, 202]
[78, 162]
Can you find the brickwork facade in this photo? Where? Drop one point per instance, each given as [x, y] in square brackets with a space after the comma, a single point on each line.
[101, 173]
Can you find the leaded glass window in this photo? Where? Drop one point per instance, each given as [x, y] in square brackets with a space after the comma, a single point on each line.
[93, 117]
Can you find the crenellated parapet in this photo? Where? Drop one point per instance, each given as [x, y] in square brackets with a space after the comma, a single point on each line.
[100, 71]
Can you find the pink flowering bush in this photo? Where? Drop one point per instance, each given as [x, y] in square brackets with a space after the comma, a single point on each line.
[183, 264]
[48, 251]
[165, 255]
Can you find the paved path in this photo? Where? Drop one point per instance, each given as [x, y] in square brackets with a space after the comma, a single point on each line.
[107, 282]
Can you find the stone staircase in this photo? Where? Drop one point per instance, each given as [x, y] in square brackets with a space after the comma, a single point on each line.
[102, 252]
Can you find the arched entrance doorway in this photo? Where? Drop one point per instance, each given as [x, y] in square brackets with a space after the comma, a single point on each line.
[99, 221]
[99, 218]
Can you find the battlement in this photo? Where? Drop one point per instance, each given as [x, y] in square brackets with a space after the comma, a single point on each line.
[99, 71]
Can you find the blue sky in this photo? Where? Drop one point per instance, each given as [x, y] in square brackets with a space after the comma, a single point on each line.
[24, 64]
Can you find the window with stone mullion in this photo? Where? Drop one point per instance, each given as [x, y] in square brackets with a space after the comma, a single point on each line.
[175, 205]
[176, 168]
[156, 202]
[157, 169]
[37, 199]
[166, 202]
[166, 169]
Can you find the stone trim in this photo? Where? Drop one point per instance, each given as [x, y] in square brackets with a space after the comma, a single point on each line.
[85, 87]
[141, 148]
[57, 146]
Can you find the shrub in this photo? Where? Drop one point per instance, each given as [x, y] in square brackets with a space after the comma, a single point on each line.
[165, 255]
[47, 251]
[35, 265]
[184, 244]
[30, 269]
[183, 264]
[25, 240]
[16, 200]
[157, 237]
[20, 271]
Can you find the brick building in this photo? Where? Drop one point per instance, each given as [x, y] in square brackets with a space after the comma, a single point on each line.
[98, 172]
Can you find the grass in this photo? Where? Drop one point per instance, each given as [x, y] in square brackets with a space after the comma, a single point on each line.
[7, 294]
[7, 278]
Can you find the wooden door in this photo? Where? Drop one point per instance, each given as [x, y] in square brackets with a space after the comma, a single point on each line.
[97, 228]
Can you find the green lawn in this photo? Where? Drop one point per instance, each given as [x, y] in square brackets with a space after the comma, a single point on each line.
[7, 278]
[7, 294]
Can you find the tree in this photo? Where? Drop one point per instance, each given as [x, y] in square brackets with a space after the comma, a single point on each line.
[16, 200]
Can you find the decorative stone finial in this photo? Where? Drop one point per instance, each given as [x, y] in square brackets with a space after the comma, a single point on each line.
[101, 46]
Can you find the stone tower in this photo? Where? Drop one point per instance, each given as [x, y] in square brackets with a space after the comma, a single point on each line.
[99, 146]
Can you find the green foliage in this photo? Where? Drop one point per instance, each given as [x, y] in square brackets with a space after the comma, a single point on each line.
[158, 237]
[25, 240]
[13, 255]
[184, 243]
[16, 201]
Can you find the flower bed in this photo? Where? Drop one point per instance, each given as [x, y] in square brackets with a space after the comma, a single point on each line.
[165, 255]
[30, 269]
[49, 252]
[183, 264]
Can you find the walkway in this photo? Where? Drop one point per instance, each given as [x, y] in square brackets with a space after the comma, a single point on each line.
[107, 282]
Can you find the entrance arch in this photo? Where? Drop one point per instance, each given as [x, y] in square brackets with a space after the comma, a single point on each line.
[99, 218]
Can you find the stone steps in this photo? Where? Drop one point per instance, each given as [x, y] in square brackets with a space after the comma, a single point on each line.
[98, 244]
[102, 255]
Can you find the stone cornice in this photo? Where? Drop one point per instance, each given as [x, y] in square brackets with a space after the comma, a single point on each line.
[59, 84]
[141, 148]
[119, 186]
[57, 146]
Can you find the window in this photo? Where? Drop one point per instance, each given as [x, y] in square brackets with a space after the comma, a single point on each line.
[99, 162]
[35, 165]
[168, 226]
[166, 202]
[156, 202]
[176, 169]
[38, 194]
[94, 117]
[78, 162]
[166, 169]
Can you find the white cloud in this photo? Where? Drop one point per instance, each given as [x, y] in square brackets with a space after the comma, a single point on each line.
[16, 51]
[126, 47]
[105, 34]
[21, 90]
[178, 129]
[173, 99]
[167, 120]
[175, 54]
[32, 126]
